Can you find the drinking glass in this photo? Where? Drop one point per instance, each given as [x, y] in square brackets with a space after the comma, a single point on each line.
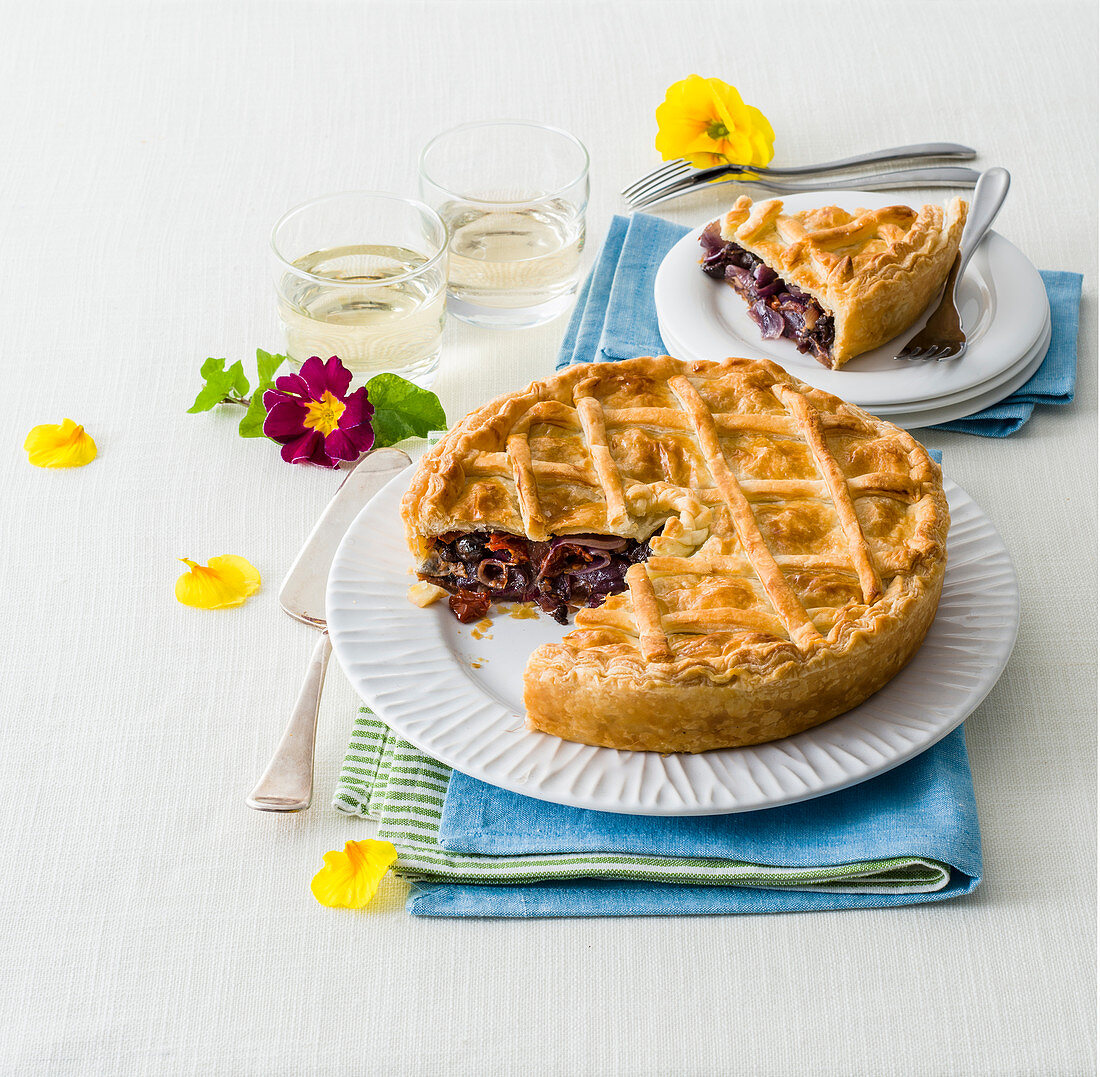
[362, 276]
[513, 196]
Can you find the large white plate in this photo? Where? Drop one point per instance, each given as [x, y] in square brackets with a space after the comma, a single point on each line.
[459, 697]
[957, 405]
[1003, 306]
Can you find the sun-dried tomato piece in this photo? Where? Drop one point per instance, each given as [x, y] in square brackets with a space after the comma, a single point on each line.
[469, 606]
[514, 544]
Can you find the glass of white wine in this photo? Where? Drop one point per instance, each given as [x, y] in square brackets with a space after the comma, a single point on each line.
[362, 276]
[513, 197]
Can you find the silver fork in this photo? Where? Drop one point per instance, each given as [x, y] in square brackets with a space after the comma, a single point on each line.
[676, 177]
[942, 336]
[946, 176]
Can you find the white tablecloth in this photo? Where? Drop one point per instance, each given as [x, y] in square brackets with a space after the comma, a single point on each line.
[153, 924]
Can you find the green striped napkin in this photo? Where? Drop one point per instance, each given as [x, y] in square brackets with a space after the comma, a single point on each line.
[387, 779]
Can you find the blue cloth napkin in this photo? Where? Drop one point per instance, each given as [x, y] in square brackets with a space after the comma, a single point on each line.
[924, 808]
[615, 319]
[544, 860]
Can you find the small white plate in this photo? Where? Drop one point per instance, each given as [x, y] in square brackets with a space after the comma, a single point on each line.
[985, 397]
[960, 405]
[961, 409]
[1008, 377]
[460, 698]
[1003, 306]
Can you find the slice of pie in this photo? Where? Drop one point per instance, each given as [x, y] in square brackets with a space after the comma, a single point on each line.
[837, 284]
[746, 556]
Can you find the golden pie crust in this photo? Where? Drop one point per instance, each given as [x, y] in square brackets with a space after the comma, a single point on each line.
[873, 270]
[798, 553]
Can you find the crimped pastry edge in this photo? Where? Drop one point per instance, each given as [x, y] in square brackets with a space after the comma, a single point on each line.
[580, 701]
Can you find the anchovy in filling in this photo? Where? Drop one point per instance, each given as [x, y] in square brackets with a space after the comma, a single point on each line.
[567, 572]
[778, 308]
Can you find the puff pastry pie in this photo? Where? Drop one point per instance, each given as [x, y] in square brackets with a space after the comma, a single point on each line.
[748, 556]
[838, 284]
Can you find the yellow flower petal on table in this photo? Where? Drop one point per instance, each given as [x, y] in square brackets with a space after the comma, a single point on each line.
[350, 878]
[705, 121]
[224, 582]
[59, 445]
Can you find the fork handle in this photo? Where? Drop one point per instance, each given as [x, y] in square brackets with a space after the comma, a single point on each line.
[945, 176]
[989, 196]
[287, 784]
[899, 153]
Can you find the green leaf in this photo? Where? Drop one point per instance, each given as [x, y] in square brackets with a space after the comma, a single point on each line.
[402, 410]
[239, 383]
[266, 365]
[252, 424]
[219, 383]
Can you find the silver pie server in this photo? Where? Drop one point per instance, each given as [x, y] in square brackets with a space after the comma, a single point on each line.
[287, 784]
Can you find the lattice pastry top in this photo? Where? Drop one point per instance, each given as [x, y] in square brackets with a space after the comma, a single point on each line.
[873, 271]
[796, 544]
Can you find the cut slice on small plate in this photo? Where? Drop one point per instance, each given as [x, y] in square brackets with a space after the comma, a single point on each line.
[836, 283]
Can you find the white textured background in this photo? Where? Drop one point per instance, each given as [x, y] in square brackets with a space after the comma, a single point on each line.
[154, 925]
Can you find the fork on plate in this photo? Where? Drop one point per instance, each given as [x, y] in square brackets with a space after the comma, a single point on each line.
[942, 336]
[675, 178]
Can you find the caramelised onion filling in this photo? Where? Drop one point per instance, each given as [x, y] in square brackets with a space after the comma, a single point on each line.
[778, 308]
[482, 567]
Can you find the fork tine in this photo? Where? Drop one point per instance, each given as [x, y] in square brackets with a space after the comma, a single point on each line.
[666, 173]
[662, 194]
[709, 178]
[670, 189]
[937, 351]
[697, 180]
[653, 173]
[660, 171]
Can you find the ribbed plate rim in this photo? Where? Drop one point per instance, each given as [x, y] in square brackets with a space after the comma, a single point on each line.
[396, 659]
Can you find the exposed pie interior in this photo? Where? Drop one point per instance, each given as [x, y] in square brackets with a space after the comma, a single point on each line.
[747, 556]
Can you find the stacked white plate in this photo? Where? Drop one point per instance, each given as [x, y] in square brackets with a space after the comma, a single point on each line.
[1003, 306]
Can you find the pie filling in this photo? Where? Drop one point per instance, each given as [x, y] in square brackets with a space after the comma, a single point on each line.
[482, 567]
[778, 308]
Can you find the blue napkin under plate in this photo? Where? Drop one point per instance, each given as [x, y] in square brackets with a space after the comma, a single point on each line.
[924, 808]
[615, 318]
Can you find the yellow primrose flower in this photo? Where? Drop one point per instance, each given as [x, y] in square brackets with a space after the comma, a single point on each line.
[706, 121]
[66, 445]
[224, 582]
[350, 878]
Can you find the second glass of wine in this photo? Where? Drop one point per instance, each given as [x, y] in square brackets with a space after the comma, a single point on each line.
[362, 275]
[513, 196]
